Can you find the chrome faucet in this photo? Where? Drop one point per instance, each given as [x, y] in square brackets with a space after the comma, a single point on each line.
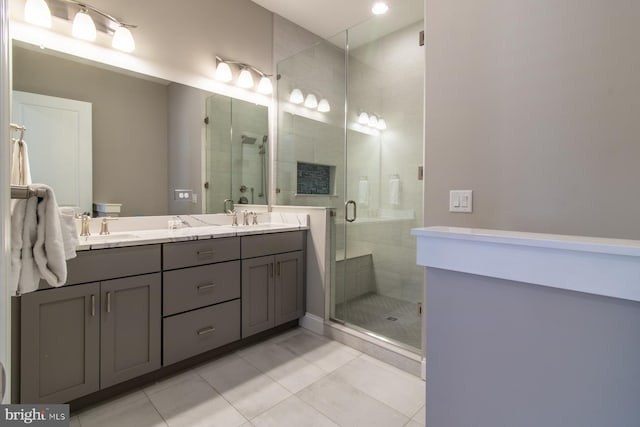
[234, 219]
[245, 217]
[228, 206]
[84, 225]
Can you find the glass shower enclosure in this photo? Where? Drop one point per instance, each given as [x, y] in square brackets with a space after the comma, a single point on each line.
[360, 153]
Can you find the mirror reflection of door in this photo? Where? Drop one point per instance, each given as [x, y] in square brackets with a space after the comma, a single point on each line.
[58, 136]
[237, 153]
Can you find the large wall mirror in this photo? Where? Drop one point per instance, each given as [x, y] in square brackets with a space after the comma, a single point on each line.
[147, 141]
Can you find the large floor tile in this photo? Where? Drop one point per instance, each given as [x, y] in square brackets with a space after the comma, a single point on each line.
[420, 417]
[412, 423]
[327, 354]
[285, 367]
[190, 402]
[398, 389]
[348, 406]
[250, 391]
[293, 412]
[132, 410]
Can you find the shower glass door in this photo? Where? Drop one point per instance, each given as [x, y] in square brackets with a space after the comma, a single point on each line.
[360, 158]
[378, 284]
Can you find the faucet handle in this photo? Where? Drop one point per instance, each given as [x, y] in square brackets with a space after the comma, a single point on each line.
[255, 218]
[104, 225]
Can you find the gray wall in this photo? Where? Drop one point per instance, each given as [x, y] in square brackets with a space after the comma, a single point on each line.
[534, 105]
[129, 126]
[503, 354]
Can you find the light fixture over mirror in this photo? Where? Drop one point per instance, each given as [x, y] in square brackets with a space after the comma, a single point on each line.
[37, 12]
[84, 27]
[245, 77]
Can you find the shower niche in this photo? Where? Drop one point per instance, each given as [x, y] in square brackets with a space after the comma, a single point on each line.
[312, 178]
[237, 153]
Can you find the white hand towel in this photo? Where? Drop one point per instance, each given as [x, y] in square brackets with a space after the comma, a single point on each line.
[24, 271]
[48, 250]
[69, 232]
[394, 191]
[363, 192]
[20, 171]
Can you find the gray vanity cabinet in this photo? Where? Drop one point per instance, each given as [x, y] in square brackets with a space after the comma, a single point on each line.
[272, 285]
[60, 344]
[84, 337]
[129, 328]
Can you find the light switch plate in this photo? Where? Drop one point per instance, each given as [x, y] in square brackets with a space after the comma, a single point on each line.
[461, 201]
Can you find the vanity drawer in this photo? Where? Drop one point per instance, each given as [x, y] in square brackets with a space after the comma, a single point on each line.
[272, 243]
[197, 287]
[195, 332]
[199, 252]
[101, 264]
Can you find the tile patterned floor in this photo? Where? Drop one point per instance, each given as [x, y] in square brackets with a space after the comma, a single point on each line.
[294, 379]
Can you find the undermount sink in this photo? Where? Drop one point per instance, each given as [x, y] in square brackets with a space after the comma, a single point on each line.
[101, 238]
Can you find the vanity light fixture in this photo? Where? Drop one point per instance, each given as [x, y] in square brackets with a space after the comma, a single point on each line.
[37, 12]
[83, 26]
[373, 121]
[382, 125]
[245, 77]
[311, 101]
[296, 96]
[323, 106]
[379, 8]
[363, 118]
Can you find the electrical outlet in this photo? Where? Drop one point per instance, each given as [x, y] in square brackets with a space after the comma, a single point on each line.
[461, 201]
[183, 195]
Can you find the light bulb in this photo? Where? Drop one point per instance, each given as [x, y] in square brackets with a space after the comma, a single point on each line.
[265, 86]
[37, 12]
[323, 106]
[296, 97]
[245, 79]
[83, 26]
[373, 121]
[363, 118]
[311, 101]
[223, 72]
[123, 40]
[380, 8]
[382, 125]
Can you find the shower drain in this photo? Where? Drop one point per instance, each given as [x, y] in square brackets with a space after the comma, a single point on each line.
[393, 319]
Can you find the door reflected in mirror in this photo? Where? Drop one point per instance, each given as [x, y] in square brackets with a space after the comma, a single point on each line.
[237, 153]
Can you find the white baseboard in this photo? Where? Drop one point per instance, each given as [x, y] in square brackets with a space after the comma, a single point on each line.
[313, 323]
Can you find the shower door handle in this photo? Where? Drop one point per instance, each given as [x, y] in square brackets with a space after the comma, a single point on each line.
[346, 211]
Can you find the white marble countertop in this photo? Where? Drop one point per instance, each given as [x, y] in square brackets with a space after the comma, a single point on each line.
[135, 231]
[600, 266]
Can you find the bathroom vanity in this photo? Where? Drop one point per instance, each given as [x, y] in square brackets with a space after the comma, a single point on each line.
[134, 307]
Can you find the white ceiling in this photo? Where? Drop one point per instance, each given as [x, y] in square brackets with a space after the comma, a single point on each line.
[327, 18]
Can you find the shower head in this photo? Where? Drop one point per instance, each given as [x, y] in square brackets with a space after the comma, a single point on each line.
[246, 139]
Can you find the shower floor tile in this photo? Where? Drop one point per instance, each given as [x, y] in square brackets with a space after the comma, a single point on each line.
[387, 316]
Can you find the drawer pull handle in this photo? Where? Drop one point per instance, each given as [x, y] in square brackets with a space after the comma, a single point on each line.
[278, 269]
[206, 254]
[108, 302]
[93, 306]
[207, 330]
[206, 286]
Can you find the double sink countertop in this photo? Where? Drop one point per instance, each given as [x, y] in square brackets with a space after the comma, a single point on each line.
[134, 231]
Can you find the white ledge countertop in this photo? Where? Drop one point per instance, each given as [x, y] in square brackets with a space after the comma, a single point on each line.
[135, 231]
[599, 266]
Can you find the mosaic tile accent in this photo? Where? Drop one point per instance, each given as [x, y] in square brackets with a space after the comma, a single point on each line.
[313, 178]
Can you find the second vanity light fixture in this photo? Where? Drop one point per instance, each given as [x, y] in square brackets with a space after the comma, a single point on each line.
[37, 12]
[245, 77]
[371, 120]
[310, 101]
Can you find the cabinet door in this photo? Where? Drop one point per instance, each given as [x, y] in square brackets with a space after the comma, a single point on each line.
[130, 328]
[257, 295]
[59, 344]
[289, 288]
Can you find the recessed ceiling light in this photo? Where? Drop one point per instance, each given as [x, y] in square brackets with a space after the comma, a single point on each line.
[379, 8]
